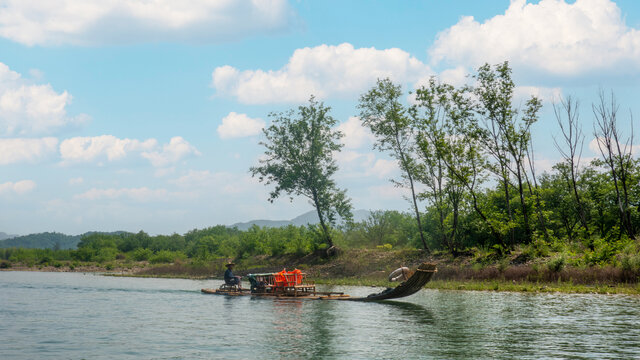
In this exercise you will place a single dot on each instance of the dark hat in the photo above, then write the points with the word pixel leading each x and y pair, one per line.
pixel 229 264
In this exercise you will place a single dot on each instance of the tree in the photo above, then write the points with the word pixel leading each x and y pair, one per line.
pixel 382 112
pixel 455 139
pixel 616 154
pixel 298 161
pixel 573 140
pixel 506 135
pixel 442 105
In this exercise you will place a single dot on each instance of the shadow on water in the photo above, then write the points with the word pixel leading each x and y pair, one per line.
pixel 410 311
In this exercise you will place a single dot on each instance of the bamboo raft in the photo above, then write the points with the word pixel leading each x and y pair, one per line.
pixel 274 286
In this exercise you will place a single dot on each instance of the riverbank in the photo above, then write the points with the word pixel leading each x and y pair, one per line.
pixel 370 267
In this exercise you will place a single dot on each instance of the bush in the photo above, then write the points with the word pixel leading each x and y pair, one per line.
pixel 106 255
pixel 141 254
pixel 166 256
pixel 83 254
pixel 556 264
pixel 5 264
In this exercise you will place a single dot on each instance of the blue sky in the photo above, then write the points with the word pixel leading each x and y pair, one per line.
pixel 146 115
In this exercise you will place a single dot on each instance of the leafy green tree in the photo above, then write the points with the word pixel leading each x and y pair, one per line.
pixel 439 107
pixel 505 134
pixel 383 113
pixel 298 161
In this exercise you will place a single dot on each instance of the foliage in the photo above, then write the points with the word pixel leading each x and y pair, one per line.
pixel 298 161
pixel 382 112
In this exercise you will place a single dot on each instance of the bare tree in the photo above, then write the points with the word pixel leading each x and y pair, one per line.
pixel 568 118
pixel 617 154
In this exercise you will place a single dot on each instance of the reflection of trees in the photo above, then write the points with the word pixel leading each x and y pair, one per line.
pixel 321 333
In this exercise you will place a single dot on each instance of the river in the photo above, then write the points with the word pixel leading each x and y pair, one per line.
pixel 88 316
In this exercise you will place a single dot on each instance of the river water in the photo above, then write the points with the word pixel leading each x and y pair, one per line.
pixel 87 316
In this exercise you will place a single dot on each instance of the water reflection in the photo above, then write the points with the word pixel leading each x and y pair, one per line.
pixel 105 318
pixel 410 312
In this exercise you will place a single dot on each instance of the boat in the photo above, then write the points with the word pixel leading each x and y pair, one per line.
pixel 293 284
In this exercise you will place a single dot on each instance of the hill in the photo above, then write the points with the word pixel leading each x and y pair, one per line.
pixel 4 236
pixel 310 217
pixel 46 240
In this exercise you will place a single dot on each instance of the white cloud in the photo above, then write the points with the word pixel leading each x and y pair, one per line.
pixel 388 191
pixel 322 71
pixel 142 194
pixel 18 187
pixel 177 149
pixel 593 146
pixel 554 36
pixel 222 182
pixel 76 181
pixel 22 150
pixel 90 22
pixel 384 168
pixel 354 164
pixel 355 135
pixel 523 93
pixel 239 125
pixel 87 149
pixel 32 109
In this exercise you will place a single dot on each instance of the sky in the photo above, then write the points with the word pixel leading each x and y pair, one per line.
pixel 147 115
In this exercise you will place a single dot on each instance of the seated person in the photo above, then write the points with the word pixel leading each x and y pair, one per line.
pixel 399 274
pixel 231 279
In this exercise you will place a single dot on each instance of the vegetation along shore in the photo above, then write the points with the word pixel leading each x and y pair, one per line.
pixel 479 207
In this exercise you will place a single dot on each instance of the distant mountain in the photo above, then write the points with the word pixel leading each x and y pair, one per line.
pixel 4 236
pixel 48 240
pixel 45 240
pixel 310 217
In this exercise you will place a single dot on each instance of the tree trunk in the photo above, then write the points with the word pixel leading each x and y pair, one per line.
pixel 327 236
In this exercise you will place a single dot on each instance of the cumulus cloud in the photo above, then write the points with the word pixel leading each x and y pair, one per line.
pixel 27 109
pixel 21 150
pixel 553 36
pixel 18 187
pixel 109 147
pixel 355 164
pixel 91 22
pixel 355 135
pixel 176 150
pixel 322 71
pixel 237 125
pixel 142 194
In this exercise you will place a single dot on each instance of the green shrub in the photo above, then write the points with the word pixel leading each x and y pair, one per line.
pixel 106 255
pixel 166 256
pixel 5 264
pixel 141 254
pixel 556 264
pixel 83 254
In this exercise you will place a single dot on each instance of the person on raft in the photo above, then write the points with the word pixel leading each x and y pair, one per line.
pixel 399 274
pixel 231 279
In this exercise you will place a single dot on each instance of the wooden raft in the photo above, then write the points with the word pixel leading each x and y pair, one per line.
pixel 413 284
